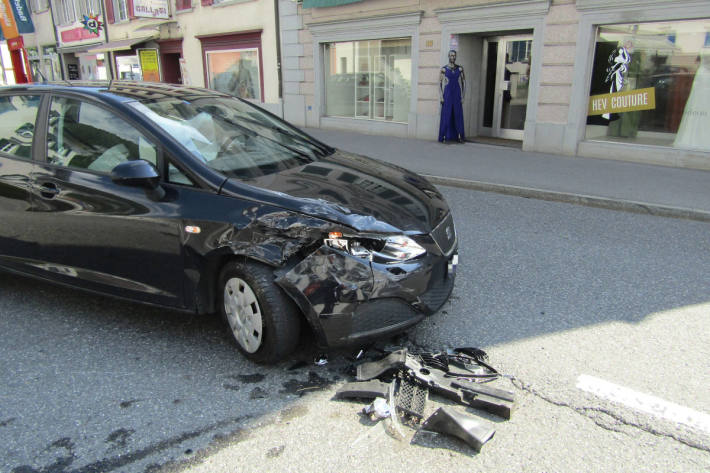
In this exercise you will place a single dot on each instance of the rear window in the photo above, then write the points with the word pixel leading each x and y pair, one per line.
pixel 18 114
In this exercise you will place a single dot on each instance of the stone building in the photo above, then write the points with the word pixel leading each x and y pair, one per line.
pixel 619 79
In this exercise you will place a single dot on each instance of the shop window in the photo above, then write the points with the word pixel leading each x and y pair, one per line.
pixel 183 5
pixel 651 84
pixel 368 79
pixel 233 64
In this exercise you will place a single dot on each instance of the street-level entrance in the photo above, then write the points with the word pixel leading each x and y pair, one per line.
pixel 504 95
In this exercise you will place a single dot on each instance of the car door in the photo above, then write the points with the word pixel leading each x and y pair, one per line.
pixel 95 233
pixel 18 114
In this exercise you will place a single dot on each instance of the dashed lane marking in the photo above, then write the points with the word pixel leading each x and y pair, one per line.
pixel 652 405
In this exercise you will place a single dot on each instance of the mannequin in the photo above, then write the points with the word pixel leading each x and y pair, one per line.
pixel 694 126
pixel 452 88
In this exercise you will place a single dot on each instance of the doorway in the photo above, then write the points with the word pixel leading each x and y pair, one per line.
pixel 506 75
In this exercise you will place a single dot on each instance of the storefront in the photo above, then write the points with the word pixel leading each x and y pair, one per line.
pixel 574 78
pixel 650 85
pixel 233 64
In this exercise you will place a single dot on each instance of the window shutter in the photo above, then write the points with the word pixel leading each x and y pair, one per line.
pixel 110 18
pixel 129 5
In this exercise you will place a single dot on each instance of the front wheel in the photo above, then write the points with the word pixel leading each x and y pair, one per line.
pixel 263 320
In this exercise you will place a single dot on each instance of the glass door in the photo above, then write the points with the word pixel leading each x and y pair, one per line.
pixel 506 62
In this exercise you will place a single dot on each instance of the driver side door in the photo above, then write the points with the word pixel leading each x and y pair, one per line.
pixel 95 233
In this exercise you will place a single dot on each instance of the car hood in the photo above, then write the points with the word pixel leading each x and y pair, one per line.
pixel 353 190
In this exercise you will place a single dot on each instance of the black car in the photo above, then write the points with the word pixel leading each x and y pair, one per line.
pixel 195 200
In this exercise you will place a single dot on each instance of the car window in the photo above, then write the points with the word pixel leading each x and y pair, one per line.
pixel 176 176
pixel 86 136
pixel 220 133
pixel 17 124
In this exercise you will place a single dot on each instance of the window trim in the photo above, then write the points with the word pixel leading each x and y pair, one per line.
pixel 38 132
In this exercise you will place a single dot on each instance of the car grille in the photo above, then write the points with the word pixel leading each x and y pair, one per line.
pixel 445 235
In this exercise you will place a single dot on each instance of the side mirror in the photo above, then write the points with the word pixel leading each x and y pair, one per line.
pixel 139 173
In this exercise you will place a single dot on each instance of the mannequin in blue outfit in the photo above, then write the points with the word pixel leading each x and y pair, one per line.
pixel 452 87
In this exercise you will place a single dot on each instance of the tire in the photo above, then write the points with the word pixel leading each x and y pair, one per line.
pixel 265 323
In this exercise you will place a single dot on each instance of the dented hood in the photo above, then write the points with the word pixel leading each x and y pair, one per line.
pixel 363 193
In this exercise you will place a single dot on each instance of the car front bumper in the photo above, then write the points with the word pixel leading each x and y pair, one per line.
pixel 349 300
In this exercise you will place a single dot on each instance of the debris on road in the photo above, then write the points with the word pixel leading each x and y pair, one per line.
pixel 401 382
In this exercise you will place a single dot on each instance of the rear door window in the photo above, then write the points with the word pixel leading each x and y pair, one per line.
pixel 85 136
pixel 18 114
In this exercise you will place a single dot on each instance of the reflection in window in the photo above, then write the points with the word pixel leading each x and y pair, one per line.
pixel 369 79
pixel 651 84
pixel 82 135
pixel 17 124
pixel 235 72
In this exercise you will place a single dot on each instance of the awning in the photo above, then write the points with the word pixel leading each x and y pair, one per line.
pixel 326 3
pixel 153 26
pixel 120 45
pixel 77 49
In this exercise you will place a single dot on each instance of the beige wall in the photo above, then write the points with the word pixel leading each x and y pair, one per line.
pixel 232 18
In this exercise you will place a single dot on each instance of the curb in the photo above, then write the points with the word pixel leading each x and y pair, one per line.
pixel 577 199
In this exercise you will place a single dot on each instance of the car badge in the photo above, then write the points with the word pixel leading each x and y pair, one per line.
pixel 192 229
pixel 449 233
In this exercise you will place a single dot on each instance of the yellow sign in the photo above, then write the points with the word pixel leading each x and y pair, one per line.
pixel 627 101
pixel 149 64
pixel 7 20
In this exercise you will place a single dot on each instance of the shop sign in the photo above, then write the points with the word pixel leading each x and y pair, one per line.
pixel 619 102
pixel 76 34
pixel 150 68
pixel 7 20
pixel 150 8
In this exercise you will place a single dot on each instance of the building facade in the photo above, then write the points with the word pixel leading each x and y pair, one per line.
pixel 228 45
pixel 620 79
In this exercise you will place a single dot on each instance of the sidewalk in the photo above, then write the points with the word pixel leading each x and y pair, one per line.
pixel 642 188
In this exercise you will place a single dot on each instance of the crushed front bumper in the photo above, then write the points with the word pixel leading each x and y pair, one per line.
pixel 349 300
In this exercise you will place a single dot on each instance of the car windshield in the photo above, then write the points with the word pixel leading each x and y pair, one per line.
pixel 233 137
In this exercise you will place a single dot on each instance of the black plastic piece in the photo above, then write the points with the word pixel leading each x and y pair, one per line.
pixel 363 390
pixel 374 369
pixel 469 429
pixel 411 398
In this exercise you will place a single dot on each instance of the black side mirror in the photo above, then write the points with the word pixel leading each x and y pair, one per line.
pixel 139 173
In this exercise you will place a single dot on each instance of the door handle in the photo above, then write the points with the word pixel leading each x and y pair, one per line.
pixel 49 190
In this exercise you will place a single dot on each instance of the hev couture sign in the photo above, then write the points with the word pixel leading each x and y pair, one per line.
pixel 150 8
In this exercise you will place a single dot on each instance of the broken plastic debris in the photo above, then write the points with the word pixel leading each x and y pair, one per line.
pixel 379 409
pixel 321 360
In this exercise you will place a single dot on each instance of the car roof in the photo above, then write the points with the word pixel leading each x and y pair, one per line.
pixel 121 91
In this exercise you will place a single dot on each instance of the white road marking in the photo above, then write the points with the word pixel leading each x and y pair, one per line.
pixel 644 402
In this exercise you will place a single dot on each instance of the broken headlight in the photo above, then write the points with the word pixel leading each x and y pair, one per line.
pixel 389 249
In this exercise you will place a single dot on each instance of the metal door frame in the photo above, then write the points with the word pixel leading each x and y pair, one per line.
pixel 496 130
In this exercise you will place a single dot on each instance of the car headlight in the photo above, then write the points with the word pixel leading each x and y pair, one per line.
pixel 386 249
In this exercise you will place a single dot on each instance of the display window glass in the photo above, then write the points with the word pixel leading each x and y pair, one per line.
pixel 369 79
pixel 651 84
pixel 235 72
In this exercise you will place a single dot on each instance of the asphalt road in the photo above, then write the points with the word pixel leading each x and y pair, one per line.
pixel 557 294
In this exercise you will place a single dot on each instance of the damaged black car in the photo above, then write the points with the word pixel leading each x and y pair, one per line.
pixel 195 200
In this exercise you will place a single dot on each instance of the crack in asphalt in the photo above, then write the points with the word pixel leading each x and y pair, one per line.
pixel 587 411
